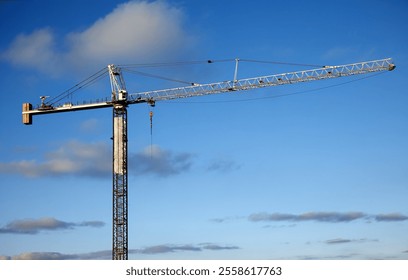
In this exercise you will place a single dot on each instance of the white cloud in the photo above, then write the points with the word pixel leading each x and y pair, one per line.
pixel 35 50
pixel 41 256
pixel 171 248
pixel 72 157
pixel 134 31
pixel 223 165
pixel 329 217
pixel 90 126
pixel 95 160
pixel 344 241
pixel 160 162
pixel 391 217
pixel 34 226
pixel 28 168
pixel 326 217
pixel 107 254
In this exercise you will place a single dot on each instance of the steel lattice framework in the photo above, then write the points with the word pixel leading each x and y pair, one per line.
pixel 120 166
pixel 120 184
pixel 326 72
pixel 120 99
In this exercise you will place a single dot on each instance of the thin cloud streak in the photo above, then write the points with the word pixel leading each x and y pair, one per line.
pixel 351 256
pixel 392 217
pixel 337 241
pixel 215 247
pixel 328 217
pixel 223 165
pixel 322 217
pixel 35 226
pixel 107 254
pixel 226 219
pixel 160 249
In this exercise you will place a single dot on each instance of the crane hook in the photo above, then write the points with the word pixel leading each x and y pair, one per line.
pixel 151 134
pixel 151 121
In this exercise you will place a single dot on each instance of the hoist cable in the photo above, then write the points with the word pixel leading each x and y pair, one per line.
pixel 151 133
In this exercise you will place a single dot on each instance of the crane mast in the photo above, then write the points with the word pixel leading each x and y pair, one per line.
pixel 120 99
pixel 120 165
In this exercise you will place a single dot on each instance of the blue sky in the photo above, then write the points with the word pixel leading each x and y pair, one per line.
pixel 321 173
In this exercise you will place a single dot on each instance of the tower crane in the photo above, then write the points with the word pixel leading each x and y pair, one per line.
pixel 121 99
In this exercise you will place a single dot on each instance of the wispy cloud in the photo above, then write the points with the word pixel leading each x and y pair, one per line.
pixel 329 217
pixel 99 255
pixel 160 249
pixel 215 247
pixel 72 157
pixel 133 31
pixel 107 254
pixel 344 241
pixel 174 248
pixel 353 256
pixel 34 50
pixel 95 160
pixel 223 165
pixel 35 226
pixel 171 248
pixel 392 217
pixel 157 161
pixel 338 241
pixel 37 256
pixel 227 219
pixel 91 224
pixel 90 126
pixel 322 217
pixel 333 257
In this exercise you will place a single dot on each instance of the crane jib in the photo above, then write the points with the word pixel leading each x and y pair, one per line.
pixel 326 72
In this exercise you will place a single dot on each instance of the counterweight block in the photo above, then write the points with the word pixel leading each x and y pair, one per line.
pixel 27 117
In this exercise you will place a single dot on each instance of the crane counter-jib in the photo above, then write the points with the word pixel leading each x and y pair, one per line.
pixel 28 110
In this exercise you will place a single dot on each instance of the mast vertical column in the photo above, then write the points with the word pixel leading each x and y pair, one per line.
pixel 120 165
pixel 120 183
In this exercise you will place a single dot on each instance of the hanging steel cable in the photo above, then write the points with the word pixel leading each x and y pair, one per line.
pixel 280 62
pixel 156 76
pixel 85 83
pixel 130 69
pixel 171 64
